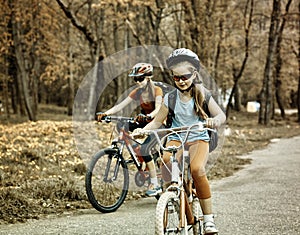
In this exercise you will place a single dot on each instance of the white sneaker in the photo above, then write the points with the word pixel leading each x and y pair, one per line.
pixel 210 228
pixel 153 191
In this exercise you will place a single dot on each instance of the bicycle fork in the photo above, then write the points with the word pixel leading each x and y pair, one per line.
pixel 119 159
pixel 108 167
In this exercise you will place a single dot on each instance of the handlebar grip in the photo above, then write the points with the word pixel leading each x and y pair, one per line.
pixel 100 116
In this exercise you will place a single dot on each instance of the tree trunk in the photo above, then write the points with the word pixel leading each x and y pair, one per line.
pixel 237 99
pixel 298 56
pixel 71 76
pixel 23 74
pixel 298 96
pixel 278 94
pixel 237 74
pixel 71 88
pixel 278 83
pixel 5 93
pixel 12 73
pixel 92 98
pixel 266 95
pixel 298 99
pixel 192 11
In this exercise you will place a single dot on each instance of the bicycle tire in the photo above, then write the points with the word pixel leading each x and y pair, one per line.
pixel 106 194
pixel 167 214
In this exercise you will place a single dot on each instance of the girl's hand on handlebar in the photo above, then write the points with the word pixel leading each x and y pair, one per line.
pixel 141 118
pixel 138 133
pixel 212 123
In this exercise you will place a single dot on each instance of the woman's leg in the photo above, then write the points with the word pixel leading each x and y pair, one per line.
pixel 154 188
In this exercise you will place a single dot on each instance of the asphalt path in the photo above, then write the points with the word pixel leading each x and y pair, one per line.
pixel 263 198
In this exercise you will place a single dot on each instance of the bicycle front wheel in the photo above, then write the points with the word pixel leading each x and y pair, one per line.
pixel 167 214
pixel 107 181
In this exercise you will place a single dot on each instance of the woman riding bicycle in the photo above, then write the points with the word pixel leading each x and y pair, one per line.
pixel 190 96
pixel 150 99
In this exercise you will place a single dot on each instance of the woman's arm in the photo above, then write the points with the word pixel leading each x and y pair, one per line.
pixel 119 107
pixel 158 119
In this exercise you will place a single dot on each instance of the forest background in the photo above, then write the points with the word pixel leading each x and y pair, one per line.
pixel 250 48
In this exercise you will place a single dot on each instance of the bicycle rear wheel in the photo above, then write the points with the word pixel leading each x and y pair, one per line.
pixel 107 181
pixel 167 214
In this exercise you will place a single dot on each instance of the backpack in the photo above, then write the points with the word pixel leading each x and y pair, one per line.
pixel 171 103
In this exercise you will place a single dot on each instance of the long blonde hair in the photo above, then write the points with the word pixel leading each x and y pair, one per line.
pixel 199 101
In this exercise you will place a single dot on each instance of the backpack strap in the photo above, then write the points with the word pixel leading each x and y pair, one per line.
pixel 171 106
pixel 205 103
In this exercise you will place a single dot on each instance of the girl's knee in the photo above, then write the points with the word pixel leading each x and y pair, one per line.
pixel 198 172
pixel 202 187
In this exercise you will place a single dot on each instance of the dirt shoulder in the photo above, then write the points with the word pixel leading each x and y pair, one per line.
pixel 42 174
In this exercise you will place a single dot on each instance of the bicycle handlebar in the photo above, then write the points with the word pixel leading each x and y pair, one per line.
pixel 175 130
pixel 169 131
pixel 108 119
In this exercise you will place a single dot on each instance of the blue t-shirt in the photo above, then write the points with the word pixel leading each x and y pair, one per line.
pixel 185 115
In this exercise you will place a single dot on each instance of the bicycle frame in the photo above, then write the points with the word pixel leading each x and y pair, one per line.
pixel 181 182
pixel 185 191
pixel 125 139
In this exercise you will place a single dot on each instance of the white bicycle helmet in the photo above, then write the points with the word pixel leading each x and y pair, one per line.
pixel 141 69
pixel 183 54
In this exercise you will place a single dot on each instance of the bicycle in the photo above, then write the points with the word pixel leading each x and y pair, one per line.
pixel 107 176
pixel 178 209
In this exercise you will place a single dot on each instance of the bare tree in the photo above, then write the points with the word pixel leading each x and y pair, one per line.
pixel 94 46
pixel 278 82
pixel 24 51
pixel 71 76
pixel 266 94
pixel 237 73
pixel 298 57
pixel 273 65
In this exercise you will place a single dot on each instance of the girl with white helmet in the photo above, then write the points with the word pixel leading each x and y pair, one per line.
pixel 189 109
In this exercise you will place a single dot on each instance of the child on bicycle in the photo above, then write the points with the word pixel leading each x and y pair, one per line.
pixel 185 67
pixel 150 98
